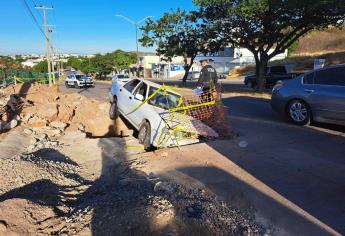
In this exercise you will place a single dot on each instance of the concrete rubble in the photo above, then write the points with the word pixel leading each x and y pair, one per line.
pixel 37 106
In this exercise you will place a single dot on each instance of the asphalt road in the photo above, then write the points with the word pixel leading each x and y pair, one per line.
pixel 99 92
pixel 304 164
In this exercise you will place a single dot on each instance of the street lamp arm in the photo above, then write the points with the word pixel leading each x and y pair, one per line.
pixel 126 18
pixel 144 19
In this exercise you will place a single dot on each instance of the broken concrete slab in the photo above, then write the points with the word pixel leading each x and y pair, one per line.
pixel 58 125
pixel 48 111
pixel 13 144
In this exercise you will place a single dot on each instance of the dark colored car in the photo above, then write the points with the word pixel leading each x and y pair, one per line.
pixel 318 95
pixel 273 75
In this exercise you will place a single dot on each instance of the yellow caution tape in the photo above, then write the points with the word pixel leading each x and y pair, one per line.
pixel 169 132
pixel 136 147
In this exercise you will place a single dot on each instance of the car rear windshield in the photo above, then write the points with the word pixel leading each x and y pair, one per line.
pixel 164 100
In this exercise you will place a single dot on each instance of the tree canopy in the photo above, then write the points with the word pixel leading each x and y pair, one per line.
pixel 177 33
pixel 103 64
pixel 267 27
pixel 41 67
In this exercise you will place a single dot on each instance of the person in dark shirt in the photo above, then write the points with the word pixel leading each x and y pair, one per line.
pixel 208 76
pixel 207 81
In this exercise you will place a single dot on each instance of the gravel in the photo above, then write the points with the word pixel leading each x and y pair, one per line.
pixel 125 201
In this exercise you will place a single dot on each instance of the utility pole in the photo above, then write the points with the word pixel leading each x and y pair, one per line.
pixel 48 46
pixel 136 24
pixel 52 54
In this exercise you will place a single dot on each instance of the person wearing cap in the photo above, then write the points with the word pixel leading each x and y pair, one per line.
pixel 208 77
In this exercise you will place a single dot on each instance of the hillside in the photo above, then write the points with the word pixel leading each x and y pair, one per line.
pixel 317 42
pixel 328 44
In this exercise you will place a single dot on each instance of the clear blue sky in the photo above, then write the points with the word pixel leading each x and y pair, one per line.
pixel 82 26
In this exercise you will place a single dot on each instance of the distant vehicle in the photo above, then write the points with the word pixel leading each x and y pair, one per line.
pixel 315 96
pixel 273 75
pixel 78 81
pixel 193 75
pixel 121 78
pixel 150 118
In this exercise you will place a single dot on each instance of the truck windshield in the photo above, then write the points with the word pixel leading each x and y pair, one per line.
pixel 163 100
pixel 80 76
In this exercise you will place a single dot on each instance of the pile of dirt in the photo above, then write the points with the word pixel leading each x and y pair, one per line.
pixel 45 193
pixel 41 105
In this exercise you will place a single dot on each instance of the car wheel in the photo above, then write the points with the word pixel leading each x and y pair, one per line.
pixel 113 110
pixel 299 112
pixel 66 84
pixel 144 135
pixel 250 84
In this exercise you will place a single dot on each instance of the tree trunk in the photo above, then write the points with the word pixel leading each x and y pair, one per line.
pixel 186 70
pixel 260 69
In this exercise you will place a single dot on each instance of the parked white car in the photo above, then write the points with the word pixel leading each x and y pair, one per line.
pixel 193 75
pixel 151 118
pixel 78 81
pixel 121 78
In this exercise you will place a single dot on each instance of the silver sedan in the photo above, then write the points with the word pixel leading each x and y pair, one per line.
pixel 316 96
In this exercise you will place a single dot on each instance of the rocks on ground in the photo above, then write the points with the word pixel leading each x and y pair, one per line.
pixel 38 106
pixel 45 193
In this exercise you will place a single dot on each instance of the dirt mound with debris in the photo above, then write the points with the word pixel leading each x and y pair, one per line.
pixel 45 193
pixel 39 105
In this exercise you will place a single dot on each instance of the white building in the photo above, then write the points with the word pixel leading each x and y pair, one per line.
pixel 229 58
pixel 156 66
pixel 32 62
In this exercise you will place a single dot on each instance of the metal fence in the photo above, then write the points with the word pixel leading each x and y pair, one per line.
pixel 13 76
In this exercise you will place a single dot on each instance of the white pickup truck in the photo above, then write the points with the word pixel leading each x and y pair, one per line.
pixel 78 81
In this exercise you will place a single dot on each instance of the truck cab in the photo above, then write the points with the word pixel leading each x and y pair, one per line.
pixel 78 81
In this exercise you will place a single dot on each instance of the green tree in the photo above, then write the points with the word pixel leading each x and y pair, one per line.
pixel 267 27
pixel 74 62
pixel 41 67
pixel 178 33
pixel 123 60
pixel 102 64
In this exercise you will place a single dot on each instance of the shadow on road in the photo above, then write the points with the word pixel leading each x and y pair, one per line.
pixel 303 164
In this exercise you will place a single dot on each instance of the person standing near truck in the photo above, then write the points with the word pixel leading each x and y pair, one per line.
pixel 208 78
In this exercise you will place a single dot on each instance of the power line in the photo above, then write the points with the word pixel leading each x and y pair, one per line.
pixel 36 21
pixel 33 16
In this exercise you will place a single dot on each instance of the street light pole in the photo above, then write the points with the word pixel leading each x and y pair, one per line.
pixel 48 44
pixel 136 40
pixel 136 24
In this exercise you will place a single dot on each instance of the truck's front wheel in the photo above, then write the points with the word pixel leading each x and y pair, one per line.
pixel 113 110
pixel 144 135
